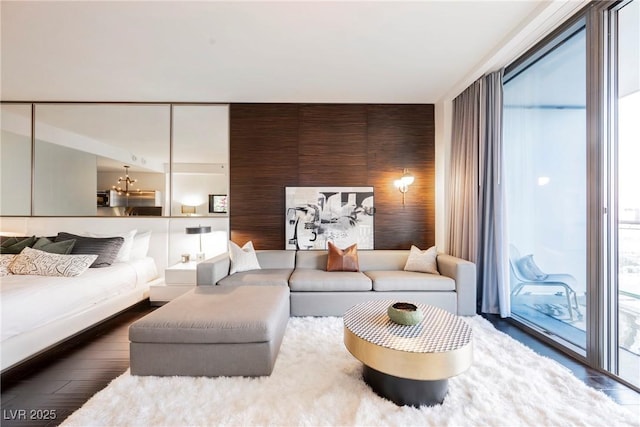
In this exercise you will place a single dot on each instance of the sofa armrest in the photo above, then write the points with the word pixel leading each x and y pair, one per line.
pixel 464 274
pixel 210 271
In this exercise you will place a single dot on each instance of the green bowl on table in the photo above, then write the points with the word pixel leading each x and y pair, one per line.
pixel 405 313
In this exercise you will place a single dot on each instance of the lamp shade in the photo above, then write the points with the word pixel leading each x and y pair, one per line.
pixel 407 178
pixel 198 230
pixel 187 209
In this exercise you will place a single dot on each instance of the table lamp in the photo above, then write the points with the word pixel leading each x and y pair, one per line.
pixel 200 230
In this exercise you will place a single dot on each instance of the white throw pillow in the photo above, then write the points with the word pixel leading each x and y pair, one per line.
pixel 124 254
pixel 243 258
pixel 5 261
pixel 40 263
pixel 422 261
pixel 140 247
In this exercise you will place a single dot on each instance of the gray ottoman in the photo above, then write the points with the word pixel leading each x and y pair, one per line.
pixel 212 331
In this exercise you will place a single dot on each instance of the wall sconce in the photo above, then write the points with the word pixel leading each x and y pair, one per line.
pixel 404 182
pixel 188 210
pixel 199 230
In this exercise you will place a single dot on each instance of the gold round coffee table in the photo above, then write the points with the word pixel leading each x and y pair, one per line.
pixel 409 365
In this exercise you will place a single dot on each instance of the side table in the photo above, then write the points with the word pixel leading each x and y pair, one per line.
pixel 178 279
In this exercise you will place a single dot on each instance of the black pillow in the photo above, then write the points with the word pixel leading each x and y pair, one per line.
pixel 47 245
pixel 106 248
pixel 15 245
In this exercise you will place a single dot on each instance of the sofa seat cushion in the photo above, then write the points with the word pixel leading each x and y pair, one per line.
pixel 313 280
pixel 266 276
pixel 409 281
pixel 215 315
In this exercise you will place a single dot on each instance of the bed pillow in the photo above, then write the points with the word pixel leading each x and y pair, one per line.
pixel 63 248
pixel 140 246
pixel 124 254
pixel 15 245
pixel 5 261
pixel 342 259
pixel 422 261
pixel 106 248
pixel 40 263
pixel 242 258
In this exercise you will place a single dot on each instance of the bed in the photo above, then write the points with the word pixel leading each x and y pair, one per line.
pixel 40 311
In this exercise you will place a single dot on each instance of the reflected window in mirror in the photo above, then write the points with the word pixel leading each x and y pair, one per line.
pixel 200 157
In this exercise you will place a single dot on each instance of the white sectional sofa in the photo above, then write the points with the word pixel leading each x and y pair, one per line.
pixel 317 292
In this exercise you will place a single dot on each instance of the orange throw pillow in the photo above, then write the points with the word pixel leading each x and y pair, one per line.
pixel 342 259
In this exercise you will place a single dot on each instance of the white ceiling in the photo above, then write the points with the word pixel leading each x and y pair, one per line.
pixel 211 51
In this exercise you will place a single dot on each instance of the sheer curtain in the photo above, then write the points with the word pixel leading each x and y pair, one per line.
pixel 476 216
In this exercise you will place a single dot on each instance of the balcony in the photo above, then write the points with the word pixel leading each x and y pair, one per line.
pixel 547 308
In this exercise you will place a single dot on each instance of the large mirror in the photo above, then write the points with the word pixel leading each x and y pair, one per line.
pixel 114 159
pixel 15 159
pixel 200 158
pixel 101 159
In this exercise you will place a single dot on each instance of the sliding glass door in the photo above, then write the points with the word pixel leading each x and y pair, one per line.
pixel 571 149
pixel 626 177
pixel 545 154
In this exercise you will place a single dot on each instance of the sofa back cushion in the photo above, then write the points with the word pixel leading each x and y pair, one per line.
pixel 312 259
pixel 276 259
pixel 382 259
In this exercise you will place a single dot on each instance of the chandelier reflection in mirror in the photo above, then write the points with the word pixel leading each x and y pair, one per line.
pixel 127 182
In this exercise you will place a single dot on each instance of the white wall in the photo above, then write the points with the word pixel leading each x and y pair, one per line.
pixel 443 149
pixel 64 181
pixel 15 174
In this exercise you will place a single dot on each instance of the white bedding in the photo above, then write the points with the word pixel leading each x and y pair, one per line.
pixel 29 302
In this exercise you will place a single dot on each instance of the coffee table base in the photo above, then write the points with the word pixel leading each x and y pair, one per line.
pixel 404 391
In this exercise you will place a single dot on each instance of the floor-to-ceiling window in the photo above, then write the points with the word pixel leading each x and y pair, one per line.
pixel 571 152
pixel 625 66
pixel 545 152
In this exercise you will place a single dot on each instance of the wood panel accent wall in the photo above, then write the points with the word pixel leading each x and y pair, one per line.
pixel 273 146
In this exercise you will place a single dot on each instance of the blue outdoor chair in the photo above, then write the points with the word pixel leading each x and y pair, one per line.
pixel 527 273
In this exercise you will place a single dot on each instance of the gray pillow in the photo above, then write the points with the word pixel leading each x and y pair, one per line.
pixel 46 245
pixel 15 245
pixel 106 248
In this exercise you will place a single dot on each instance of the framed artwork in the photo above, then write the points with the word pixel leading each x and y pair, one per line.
pixel 217 203
pixel 317 215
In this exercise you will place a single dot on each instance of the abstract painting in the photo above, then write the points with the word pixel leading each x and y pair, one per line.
pixel 317 215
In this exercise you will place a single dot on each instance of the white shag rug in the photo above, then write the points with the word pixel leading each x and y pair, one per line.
pixel 317 382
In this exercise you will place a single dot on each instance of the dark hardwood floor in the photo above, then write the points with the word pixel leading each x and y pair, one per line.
pixel 46 391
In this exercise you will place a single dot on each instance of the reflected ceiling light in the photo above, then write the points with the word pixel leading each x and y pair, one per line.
pixel 543 180
pixel 127 181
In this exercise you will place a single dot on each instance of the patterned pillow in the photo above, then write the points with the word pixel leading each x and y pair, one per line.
pixel 5 260
pixel 40 263
pixel 422 261
pixel 342 259
pixel 243 258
